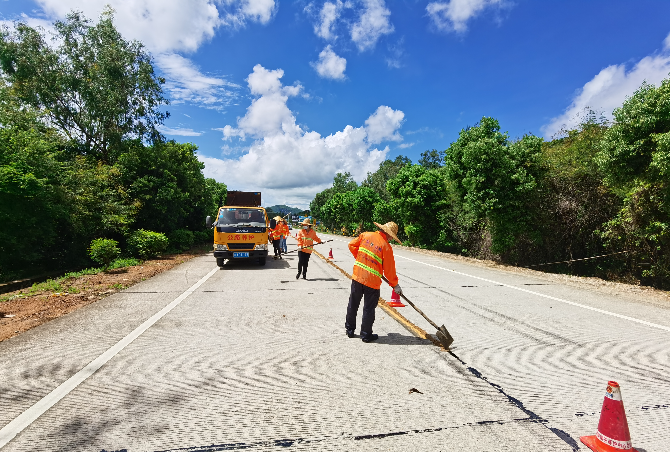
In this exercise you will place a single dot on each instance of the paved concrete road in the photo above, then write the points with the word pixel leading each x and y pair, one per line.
pixel 550 346
pixel 249 358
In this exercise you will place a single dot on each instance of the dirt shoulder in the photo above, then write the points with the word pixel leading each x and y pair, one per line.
pixel 630 291
pixel 24 311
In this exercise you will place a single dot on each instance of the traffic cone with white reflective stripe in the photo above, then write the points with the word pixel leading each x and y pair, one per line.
pixel 395 300
pixel 613 434
pixel 330 254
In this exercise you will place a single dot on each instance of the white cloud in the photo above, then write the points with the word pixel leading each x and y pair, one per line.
pixel 167 27
pixel 329 13
pixel 609 88
pixel 330 65
pixel 666 42
pixel 258 10
pixel 186 83
pixel 178 131
pixel 453 15
pixel 383 125
pixel 406 145
pixel 162 25
pixel 372 24
pixel 288 164
pixel 268 114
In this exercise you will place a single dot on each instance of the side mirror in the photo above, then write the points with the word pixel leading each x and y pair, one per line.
pixel 208 222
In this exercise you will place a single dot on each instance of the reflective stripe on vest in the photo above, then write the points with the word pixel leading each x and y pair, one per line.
pixel 307 247
pixel 371 254
pixel 371 270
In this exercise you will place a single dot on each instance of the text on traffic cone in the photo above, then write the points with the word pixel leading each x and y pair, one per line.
pixel 613 434
pixel 395 300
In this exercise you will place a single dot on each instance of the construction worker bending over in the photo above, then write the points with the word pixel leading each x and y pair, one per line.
pixel 306 238
pixel 374 258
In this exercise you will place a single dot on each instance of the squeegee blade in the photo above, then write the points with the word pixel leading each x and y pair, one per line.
pixel 445 338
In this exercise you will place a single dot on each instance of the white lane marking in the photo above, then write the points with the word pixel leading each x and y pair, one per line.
pixel 590 308
pixel 9 431
pixel 602 311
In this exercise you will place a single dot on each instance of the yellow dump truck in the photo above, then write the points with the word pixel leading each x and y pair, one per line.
pixel 240 229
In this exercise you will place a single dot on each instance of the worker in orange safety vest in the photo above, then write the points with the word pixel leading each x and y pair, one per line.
pixel 275 235
pixel 284 235
pixel 374 258
pixel 306 238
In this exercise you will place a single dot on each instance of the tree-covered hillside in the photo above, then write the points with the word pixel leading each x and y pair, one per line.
pixel 600 189
pixel 80 154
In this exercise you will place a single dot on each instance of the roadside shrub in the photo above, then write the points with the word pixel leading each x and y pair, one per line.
pixel 145 244
pixel 181 239
pixel 200 237
pixel 104 251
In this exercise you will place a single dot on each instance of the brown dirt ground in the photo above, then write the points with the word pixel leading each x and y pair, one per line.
pixel 21 314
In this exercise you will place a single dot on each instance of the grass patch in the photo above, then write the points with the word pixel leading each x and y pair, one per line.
pixel 56 284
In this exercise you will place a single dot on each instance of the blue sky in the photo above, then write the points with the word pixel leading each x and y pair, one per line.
pixel 279 96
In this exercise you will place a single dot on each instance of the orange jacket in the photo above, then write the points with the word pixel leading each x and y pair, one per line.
pixel 283 230
pixel 306 239
pixel 374 257
pixel 275 233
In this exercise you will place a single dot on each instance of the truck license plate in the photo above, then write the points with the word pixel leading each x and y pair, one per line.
pixel 240 254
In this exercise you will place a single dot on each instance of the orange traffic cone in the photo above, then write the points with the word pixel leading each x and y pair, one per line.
pixel 613 434
pixel 330 254
pixel 395 300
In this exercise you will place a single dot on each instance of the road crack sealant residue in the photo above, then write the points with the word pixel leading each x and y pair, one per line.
pixel 290 442
pixel 565 436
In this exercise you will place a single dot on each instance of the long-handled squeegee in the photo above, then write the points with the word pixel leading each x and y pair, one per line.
pixel 442 334
pixel 298 249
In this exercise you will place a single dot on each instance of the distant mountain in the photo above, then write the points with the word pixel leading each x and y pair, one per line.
pixel 285 209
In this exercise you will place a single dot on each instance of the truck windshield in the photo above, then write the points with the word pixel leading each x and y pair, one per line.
pixel 241 217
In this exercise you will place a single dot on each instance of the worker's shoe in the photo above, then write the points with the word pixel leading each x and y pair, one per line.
pixel 350 333
pixel 369 337
pixel 297 276
pixel 304 276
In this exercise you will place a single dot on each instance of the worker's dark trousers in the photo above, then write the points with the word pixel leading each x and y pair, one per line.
pixel 275 244
pixel 303 262
pixel 371 295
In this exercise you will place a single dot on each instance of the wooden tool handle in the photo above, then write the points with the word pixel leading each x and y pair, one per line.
pixel 413 305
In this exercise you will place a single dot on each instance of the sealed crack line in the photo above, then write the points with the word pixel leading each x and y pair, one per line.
pixel 563 435
pixel 569 440
pixel 289 442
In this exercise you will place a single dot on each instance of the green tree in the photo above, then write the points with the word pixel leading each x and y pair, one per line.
pixel 495 181
pixel 432 159
pixel 574 202
pixel 94 87
pixel 342 183
pixel 635 160
pixel 387 170
pixel 166 183
pixel 420 196
pixel 215 196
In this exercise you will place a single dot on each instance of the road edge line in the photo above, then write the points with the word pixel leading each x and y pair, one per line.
pixel 22 421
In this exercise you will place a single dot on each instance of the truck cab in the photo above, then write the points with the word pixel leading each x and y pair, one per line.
pixel 240 232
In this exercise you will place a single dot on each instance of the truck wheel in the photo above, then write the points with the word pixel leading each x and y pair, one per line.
pixel 220 261
pixel 262 260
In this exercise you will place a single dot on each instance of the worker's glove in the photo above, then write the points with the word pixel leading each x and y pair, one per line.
pixel 397 289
